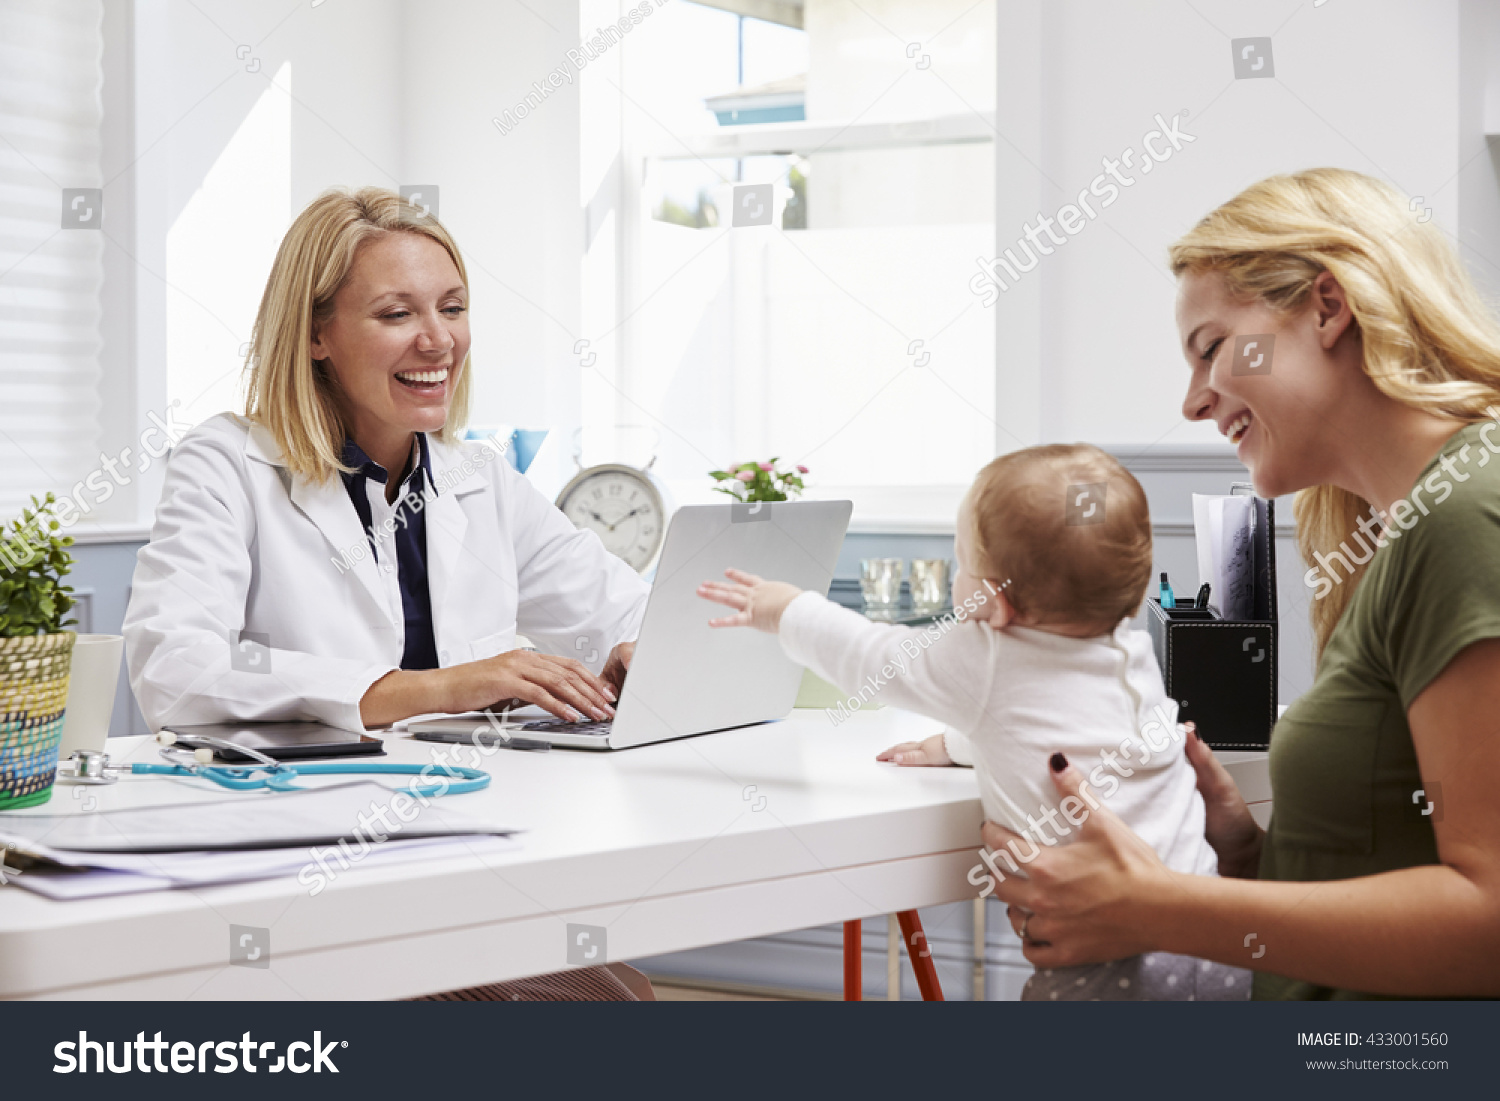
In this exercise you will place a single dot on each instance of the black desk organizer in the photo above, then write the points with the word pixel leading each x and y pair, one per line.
pixel 1222 673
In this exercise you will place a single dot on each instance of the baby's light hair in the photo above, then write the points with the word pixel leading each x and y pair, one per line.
pixel 1029 526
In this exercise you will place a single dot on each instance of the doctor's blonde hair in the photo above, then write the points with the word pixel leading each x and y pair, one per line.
pixel 290 394
pixel 1429 340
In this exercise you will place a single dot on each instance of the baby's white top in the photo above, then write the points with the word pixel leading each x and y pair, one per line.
pixel 1014 697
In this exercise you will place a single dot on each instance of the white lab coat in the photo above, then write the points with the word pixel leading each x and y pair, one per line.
pixel 240 545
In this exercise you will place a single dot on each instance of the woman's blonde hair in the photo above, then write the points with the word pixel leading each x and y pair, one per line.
pixel 293 396
pixel 1429 340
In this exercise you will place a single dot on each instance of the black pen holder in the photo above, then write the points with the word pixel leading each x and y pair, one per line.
pixel 1222 672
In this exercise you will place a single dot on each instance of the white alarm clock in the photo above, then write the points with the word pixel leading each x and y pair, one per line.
pixel 625 506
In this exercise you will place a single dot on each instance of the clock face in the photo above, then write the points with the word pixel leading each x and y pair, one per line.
pixel 622 507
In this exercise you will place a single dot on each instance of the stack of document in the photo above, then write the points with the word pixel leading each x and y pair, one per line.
pixel 234 840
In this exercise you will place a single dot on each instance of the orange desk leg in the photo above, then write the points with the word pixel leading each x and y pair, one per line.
pixel 853 957
pixel 920 954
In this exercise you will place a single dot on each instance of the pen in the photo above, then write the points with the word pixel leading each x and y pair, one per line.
pixel 1202 601
pixel 522 743
pixel 1167 600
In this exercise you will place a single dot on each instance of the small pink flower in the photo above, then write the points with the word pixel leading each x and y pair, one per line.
pixel 801 469
pixel 767 467
pixel 745 476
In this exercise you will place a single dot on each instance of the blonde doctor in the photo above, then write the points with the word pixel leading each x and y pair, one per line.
pixel 339 553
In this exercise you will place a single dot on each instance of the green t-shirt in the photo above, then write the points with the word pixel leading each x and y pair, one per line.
pixel 1349 798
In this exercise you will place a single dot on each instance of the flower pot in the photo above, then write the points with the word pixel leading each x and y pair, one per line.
pixel 33 694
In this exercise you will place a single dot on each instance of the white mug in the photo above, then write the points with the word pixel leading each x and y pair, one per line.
pixel 92 678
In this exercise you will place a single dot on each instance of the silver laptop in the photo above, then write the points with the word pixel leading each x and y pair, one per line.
pixel 686 677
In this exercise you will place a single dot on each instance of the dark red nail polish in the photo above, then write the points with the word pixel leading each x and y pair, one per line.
pixel 1058 762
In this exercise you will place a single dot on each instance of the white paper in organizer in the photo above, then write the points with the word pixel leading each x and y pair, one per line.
pixel 1224 528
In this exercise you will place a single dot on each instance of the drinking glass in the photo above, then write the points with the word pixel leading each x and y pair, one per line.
pixel 880 581
pixel 929 584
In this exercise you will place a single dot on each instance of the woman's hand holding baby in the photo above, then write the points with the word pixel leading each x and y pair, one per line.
pixel 1091 900
pixel 757 602
pixel 1229 827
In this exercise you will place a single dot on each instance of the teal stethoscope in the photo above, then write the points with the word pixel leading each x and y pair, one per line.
pixel 93 767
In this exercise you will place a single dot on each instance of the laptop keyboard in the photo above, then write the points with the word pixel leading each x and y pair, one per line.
pixel 598 729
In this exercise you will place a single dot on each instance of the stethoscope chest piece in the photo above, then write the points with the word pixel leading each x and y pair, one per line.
pixel 90 766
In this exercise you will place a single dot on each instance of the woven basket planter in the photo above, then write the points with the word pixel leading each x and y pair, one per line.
pixel 33 692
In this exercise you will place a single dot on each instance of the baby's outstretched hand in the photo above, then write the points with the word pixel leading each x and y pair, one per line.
pixel 757 602
pixel 930 752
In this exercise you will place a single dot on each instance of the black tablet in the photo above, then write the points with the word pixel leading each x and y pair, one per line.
pixel 293 741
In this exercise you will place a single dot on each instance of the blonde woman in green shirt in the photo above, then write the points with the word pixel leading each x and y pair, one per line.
pixel 1380 872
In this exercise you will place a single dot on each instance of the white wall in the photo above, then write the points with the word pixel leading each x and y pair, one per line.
pixel 203 240
pixel 1388 87
pixel 512 200
pixel 1478 180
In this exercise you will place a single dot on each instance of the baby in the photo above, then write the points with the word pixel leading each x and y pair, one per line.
pixel 1053 556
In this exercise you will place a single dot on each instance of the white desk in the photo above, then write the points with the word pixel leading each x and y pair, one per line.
pixel 663 845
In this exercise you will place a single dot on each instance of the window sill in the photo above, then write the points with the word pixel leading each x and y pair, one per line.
pixel 900 525
pixel 88 535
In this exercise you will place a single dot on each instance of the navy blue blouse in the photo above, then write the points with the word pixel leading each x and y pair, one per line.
pixel 410 540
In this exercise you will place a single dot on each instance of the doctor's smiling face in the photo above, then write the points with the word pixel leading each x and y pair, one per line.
pixel 395 342
pixel 1284 413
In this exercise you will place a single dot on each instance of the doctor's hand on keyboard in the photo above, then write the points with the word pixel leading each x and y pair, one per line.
pixel 560 685
pixel 563 686
pixel 617 665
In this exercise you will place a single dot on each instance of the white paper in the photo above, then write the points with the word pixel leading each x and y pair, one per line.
pixel 263 820
pixel 132 873
pixel 1224 528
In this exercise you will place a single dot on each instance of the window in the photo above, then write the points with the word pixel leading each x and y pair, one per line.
pixel 841 335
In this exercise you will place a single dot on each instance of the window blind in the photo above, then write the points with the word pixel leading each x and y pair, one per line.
pixel 50 276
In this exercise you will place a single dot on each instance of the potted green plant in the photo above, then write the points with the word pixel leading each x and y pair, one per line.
pixel 748 482
pixel 35 652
